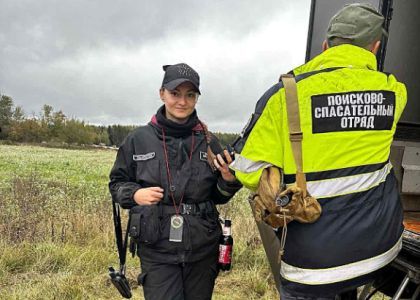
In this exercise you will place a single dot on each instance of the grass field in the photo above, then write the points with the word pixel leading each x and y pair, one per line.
pixel 57 235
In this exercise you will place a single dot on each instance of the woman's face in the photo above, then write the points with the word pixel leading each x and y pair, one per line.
pixel 180 102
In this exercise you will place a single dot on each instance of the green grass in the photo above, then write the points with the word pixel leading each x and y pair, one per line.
pixel 57 235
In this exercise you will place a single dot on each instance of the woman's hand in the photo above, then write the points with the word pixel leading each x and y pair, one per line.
pixel 223 166
pixel 148 196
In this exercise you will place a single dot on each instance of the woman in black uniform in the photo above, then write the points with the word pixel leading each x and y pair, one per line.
pixel 167 174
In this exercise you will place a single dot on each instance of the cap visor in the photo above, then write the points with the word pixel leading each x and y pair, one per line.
pixel 171 85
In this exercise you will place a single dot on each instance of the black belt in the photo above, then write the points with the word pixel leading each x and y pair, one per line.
pixel 206 207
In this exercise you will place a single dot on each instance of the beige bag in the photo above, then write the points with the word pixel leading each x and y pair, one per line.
pixel 273 202
pixel 277 206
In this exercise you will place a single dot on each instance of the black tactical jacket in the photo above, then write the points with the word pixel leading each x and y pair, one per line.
pixel 141 163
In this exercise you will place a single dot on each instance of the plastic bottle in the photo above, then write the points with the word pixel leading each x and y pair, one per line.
pixel 226 247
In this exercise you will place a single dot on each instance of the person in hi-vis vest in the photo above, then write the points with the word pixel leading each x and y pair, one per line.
pixel 348 115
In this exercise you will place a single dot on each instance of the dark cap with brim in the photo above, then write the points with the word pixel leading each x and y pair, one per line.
pixel 178 74
pixel 359 22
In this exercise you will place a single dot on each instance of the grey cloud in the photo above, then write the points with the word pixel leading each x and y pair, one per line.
pixel 58 27
pixel 100 60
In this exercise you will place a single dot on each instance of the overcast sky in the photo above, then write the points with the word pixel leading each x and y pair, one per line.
pixel 100 61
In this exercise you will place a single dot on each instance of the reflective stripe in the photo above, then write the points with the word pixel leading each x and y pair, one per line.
pixel 327 187
pixel 245 165
pixel 224 193
pixel 340 273
pixel 348 184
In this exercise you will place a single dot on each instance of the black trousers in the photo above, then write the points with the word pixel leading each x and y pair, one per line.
pixel 349 295
pixel 187 281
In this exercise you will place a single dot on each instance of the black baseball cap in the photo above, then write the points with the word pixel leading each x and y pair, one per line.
pixel 178 74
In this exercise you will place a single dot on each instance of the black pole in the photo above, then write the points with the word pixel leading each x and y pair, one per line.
pixel 386 8
pixel 310 31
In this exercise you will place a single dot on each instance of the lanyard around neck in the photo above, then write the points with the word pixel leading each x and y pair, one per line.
pixel 168 170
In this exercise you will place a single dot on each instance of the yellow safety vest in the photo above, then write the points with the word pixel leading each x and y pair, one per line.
pixel 348 112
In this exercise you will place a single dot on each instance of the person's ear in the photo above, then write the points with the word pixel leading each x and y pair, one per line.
pixel 375 47
pixel 161 92
pixel 324 45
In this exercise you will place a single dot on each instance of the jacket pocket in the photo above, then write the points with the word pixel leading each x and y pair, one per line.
pixel 204 232
pixel 144 224
pixel 202 181
pixel 148 172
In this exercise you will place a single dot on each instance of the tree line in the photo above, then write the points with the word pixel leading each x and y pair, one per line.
pixel 52 126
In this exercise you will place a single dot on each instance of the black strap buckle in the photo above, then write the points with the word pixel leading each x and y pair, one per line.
pixel 187 209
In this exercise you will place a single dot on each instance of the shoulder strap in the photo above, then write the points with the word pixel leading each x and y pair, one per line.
pixel 211 145
pixel 295 132
pixel 240 141
pixel 121 244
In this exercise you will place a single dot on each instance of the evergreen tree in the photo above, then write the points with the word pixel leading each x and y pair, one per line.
pixel 117 133
pixel 18 114
pixel 6 114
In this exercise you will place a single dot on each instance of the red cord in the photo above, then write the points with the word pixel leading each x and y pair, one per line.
pixel 168 171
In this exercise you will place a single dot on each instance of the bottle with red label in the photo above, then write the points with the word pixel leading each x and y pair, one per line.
pixel 226 247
